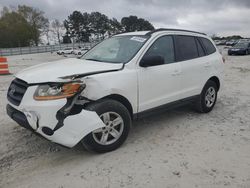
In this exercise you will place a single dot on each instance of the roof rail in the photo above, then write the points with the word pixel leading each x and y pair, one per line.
pixel 166 29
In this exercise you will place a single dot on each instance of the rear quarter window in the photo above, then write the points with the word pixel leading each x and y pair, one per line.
pixel 207 44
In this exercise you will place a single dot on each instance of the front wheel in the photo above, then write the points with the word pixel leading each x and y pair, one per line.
pixel 117 122
pixel 208 97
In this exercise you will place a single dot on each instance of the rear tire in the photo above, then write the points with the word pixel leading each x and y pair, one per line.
pixel 118 123
pixel 208 97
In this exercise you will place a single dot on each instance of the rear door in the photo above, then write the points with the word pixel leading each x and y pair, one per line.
pixel 190 55
pixel 159 84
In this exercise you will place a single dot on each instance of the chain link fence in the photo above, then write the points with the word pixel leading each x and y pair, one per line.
pixel 41 49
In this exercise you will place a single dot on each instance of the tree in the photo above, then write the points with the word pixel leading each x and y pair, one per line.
pixel 35 17
pixel 99 24
pixel 132 23
pixel 14 30
pixel 77 25
pixel 82 26
pixel 115 27
pixel 57 29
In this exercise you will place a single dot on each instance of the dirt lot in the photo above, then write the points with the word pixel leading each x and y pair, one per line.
pixel 179 148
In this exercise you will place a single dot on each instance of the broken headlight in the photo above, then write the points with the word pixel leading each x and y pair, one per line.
pixel 57 91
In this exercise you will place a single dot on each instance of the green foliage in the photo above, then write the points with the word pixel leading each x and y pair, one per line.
pixel 21 27
pixel 132 23
pixel 14 30
pixel 82 26
pixel 24 25
pixel 38 23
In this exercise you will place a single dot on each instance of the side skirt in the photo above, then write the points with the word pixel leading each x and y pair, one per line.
pixel 165 107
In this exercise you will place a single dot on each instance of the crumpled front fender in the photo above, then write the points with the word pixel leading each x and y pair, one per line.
pixel 75 128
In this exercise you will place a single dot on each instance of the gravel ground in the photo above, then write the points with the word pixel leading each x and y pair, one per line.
pixel 178 148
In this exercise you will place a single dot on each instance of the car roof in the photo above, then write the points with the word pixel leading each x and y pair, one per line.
pixel 164 30
pixel 133 33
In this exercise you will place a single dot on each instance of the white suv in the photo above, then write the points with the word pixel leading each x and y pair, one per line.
pixel 93 100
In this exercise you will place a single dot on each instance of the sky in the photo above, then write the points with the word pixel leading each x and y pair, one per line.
pixel 220 17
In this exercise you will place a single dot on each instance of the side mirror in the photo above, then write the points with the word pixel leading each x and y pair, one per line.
pixel 148 61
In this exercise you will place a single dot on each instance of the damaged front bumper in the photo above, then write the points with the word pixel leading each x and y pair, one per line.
pixel 46 118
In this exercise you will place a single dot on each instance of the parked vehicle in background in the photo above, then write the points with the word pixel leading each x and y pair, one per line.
pixel 220 42
pixel 217 42
pixel 93 100
pixel 231 42
pixel 65 51
pixel 81 51
pixel 241 48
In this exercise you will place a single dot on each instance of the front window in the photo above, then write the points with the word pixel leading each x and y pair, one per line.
pixel 120 49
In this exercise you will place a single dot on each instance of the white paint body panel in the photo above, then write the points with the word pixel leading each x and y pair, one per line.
pixel 51 72
pixel 144 88
pixel 75 127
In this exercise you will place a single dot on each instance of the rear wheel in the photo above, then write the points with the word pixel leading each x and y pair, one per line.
pixel 117 122
pixel 207 98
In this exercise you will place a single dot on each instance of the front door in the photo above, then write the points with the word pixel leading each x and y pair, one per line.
pixel 159 85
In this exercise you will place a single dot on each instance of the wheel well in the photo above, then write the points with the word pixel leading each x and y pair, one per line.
pixel 216 80
pixel 122 100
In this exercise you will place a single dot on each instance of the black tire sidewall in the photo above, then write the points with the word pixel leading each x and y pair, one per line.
pixel 101 107
pixel 204 107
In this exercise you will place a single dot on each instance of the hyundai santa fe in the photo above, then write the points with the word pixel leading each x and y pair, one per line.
pixel 93 100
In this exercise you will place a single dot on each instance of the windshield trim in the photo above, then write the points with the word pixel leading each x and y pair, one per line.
pixel 146 37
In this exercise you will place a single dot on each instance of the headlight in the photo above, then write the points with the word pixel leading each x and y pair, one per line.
pixel 57 91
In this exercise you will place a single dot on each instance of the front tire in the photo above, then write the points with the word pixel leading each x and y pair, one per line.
pixel 207 98
pixel 118 122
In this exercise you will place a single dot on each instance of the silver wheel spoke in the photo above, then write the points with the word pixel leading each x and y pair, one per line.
pixel 114 133
pixel 210 97
pixel 117 121
pixel 104 138
pixel 110 133
pixel 98 131
pixel 106 117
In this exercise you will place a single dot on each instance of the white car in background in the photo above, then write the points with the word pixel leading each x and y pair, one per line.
pixel 93 100
pixel 65 51
pixel 81 51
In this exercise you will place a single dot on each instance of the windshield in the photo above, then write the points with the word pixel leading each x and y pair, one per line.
pixel 241 45
pixel 120 49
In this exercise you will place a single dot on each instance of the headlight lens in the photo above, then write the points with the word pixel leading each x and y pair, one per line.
pixel 58 91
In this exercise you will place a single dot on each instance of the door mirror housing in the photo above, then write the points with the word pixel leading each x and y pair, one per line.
pixel 148 61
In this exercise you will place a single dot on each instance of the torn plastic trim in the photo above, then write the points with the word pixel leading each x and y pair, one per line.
pixel 63 113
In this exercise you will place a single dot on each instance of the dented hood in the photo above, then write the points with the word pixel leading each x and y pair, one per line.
pixel 53 71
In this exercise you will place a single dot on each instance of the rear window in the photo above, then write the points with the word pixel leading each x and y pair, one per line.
pixel 185 48
pixel 209 47
pixel 200 48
